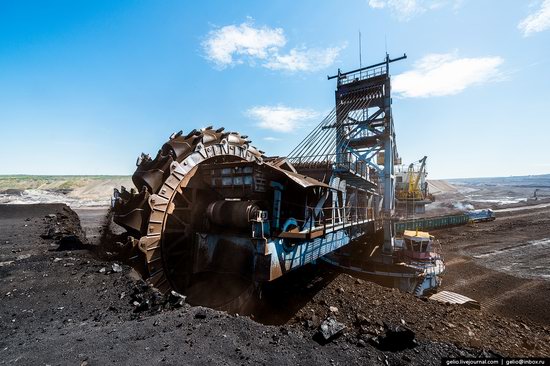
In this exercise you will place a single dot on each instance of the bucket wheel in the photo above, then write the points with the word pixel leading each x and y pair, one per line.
pixel 164 211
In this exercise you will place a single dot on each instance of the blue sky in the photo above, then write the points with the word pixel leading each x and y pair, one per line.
pixel 85 86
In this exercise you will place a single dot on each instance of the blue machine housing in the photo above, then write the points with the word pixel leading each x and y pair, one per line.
pixel 481 215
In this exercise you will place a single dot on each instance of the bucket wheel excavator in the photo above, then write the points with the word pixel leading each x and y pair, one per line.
pixel 213 218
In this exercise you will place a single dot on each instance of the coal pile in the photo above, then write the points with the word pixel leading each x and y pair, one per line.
pixel 394 321
pixel 55 300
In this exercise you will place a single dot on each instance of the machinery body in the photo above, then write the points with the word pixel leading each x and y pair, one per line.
pixel 224 208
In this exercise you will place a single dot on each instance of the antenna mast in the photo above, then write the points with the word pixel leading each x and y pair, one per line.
pixel 360 63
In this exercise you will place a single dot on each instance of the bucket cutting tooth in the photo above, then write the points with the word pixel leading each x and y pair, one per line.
pixel 131 211
pixel 151 174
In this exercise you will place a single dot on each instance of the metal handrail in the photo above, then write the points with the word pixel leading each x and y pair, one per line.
pixel 385 63
pixel 354 165
pixel 368 215
pixel 361 75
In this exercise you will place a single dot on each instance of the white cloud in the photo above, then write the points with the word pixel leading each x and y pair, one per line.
pixel 446 74
pixel 271 138
pixel 377 4
pixel 538 21
pixel 407 9
pixel 242 41
pixel 281 118
pixel 402 9
pixel 237 44
pixel 312 59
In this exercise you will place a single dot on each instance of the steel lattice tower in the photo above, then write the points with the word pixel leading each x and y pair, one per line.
pixel 358 140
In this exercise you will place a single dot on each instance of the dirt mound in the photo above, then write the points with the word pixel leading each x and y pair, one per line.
pixel 64 227
pixel 438 186
pixel 369 311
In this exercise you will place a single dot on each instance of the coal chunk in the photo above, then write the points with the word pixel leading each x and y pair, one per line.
pixel 329 330
pixel 395 338
pixel 142 306
pixel 176 300
pixel 201 314
pixel 116 268
pixel 70 242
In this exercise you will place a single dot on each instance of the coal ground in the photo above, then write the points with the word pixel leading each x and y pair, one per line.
pixel 504 264
pixel 62 303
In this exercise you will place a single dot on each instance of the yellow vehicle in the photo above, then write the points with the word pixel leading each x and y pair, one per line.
pixel 411 189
